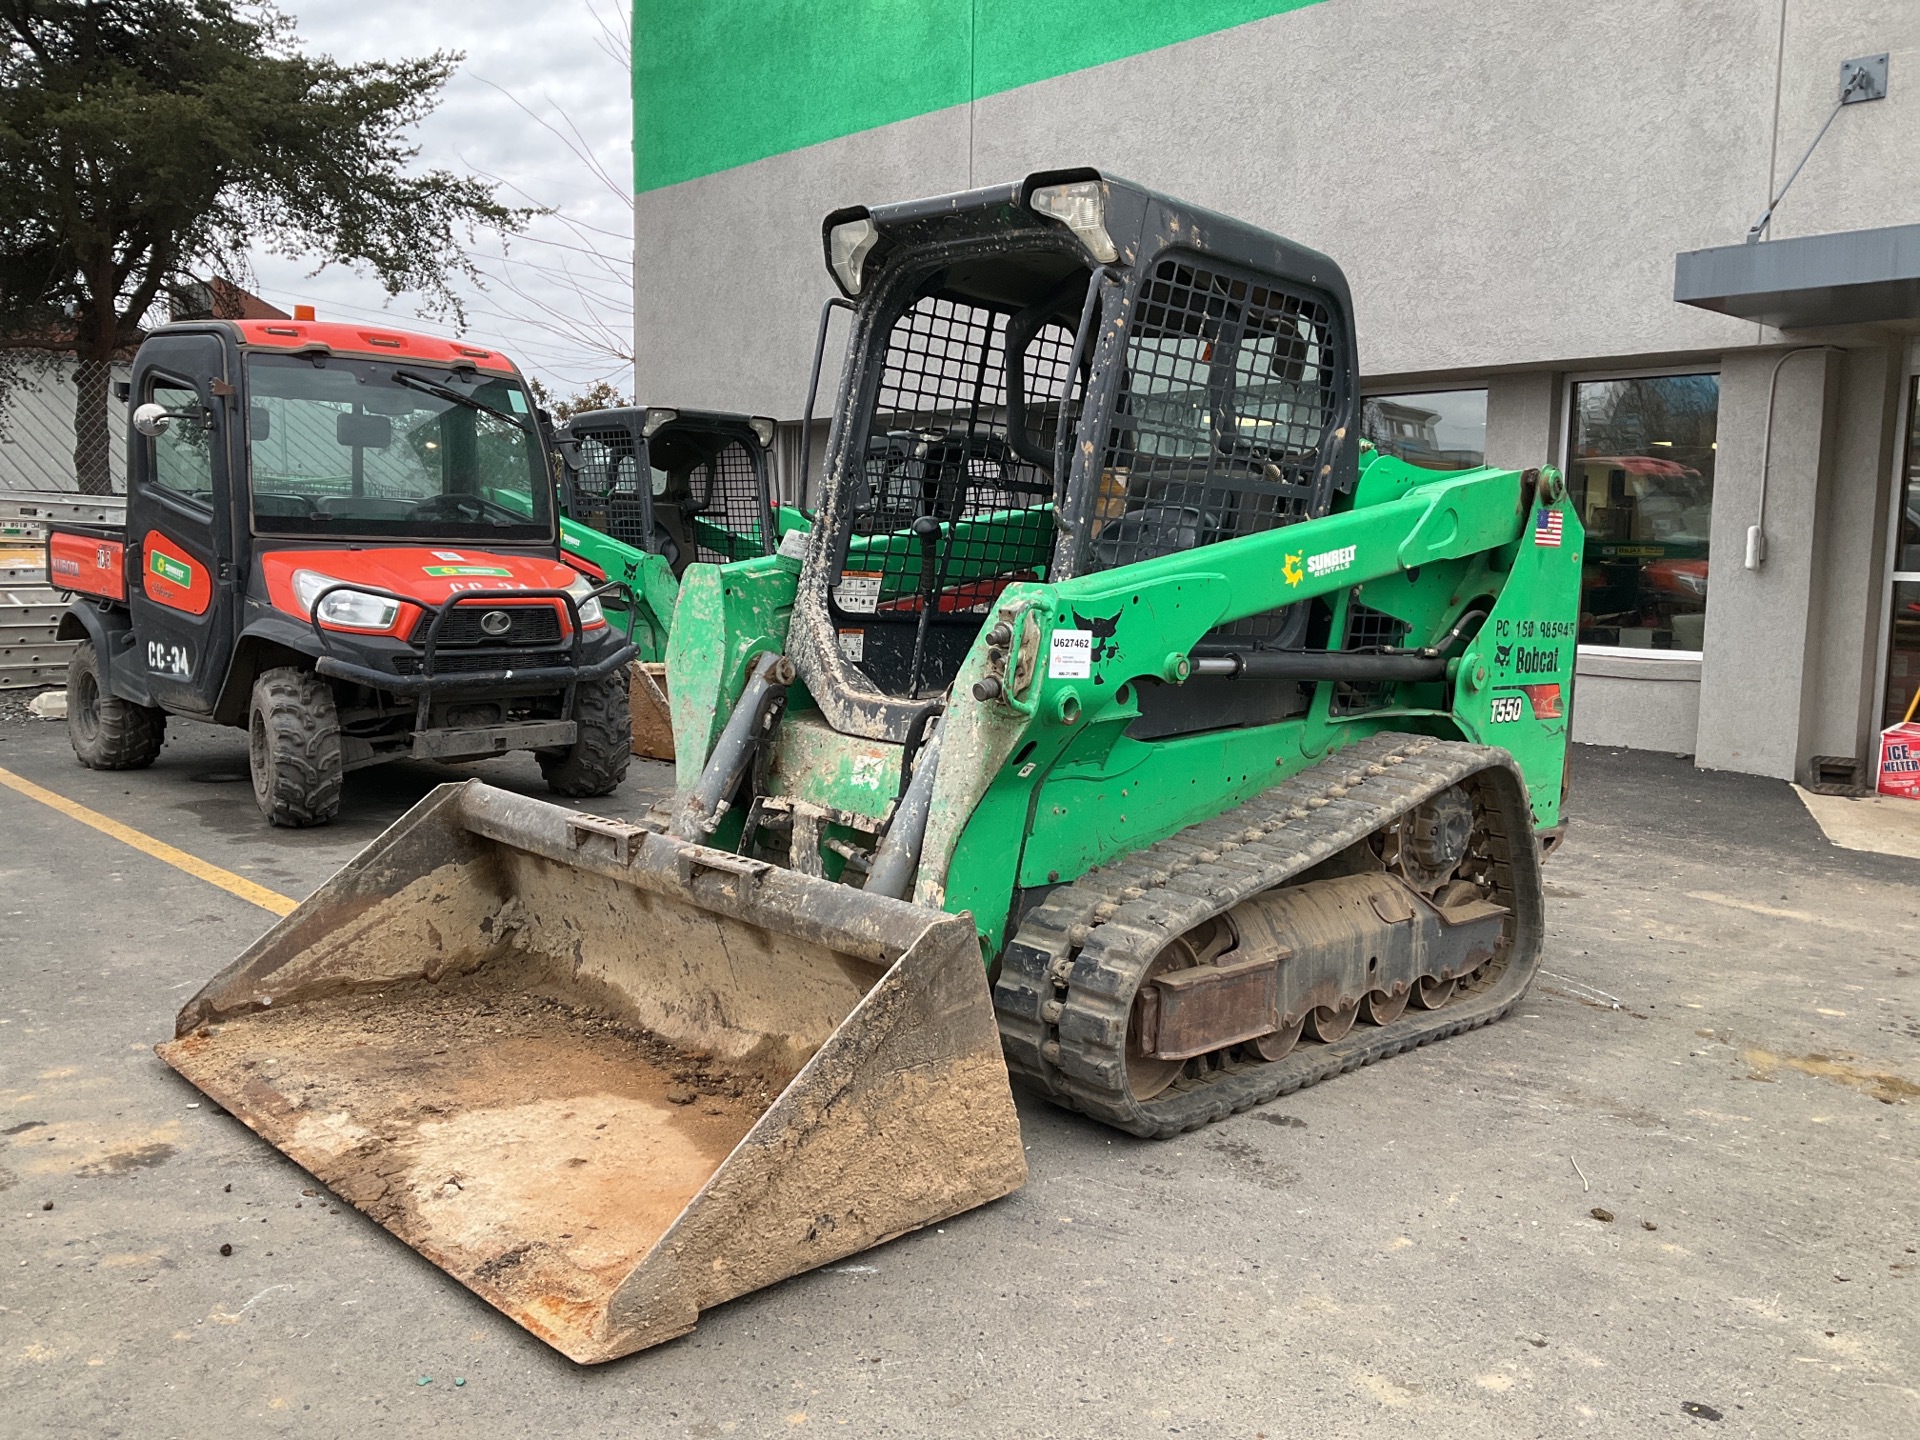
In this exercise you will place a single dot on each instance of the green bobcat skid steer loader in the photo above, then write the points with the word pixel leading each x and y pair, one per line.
pixel 1124 722
pixel 678 486
pixel 690 485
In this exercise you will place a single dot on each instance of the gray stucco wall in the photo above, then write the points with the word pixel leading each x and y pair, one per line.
pixel 1759 622
pixel 1850 570
pixel 1524 418
pixel 728 272
pixel 1637 703
pixel 1506 186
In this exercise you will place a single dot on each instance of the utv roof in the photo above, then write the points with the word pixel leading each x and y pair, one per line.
pixel 340 338
pixel 1139 223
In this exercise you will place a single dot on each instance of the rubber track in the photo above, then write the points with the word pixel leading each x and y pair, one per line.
pixel 1099 934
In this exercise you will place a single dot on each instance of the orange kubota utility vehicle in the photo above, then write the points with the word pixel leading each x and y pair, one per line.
pixel 343 539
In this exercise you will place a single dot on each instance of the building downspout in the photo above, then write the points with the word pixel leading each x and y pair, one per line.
pixel 1757 532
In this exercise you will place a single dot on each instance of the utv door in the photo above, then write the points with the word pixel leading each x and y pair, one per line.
pixel 179 523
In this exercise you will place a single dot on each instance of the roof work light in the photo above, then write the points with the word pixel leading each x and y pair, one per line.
pixel 848 245
pixel 1082 207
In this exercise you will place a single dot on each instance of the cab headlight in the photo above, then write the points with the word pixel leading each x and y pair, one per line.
pixel 351 609
pixel 590 613
pixel 1082 207
pixel 848 245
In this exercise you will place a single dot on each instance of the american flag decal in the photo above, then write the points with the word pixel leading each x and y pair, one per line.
pixel 1546 527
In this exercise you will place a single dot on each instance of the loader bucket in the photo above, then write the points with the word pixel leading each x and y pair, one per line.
pixel 606 1078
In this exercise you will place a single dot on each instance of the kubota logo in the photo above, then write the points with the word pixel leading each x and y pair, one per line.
pixel 1291 572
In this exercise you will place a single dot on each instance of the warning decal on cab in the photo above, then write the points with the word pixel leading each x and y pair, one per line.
pixel 858 592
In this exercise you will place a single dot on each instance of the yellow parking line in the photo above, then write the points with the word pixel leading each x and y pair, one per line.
pixel 228 881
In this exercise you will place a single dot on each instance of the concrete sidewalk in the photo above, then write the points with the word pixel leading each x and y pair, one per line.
pixel 1723 1057
pixel 1878 824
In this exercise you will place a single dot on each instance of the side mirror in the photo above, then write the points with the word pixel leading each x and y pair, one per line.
pixel 260 422
pixel 152 419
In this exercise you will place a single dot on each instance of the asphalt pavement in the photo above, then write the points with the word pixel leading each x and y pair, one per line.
pixel 1677 1194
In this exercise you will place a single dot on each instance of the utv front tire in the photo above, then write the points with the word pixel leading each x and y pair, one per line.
pixel 293 748
pixel 106 732
pixel 596 762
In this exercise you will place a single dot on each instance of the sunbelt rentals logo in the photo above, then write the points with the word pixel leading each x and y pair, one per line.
pixel 169 569
pixel 1331 562
pixel 1327 562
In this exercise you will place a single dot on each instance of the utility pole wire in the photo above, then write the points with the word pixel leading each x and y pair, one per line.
pixel 577 143
pixel 566 283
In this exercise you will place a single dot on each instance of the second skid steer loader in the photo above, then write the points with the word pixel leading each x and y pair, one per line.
pixel 1124 721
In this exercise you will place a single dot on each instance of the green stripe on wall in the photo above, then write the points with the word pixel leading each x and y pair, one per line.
pixel 719 83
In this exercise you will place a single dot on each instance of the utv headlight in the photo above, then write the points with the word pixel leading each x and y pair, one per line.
pixel 1082 208
pixel 591 616
pixel 848 245
pixel 350 609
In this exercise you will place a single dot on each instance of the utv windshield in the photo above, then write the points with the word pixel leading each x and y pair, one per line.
pixel 344 448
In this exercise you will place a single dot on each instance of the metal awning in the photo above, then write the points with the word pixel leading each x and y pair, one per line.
pixel 1854 277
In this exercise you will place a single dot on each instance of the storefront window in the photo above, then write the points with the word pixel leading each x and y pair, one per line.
pixel 1903 651
pixel 1640 471
pixel 1903 638
pixel 1441 430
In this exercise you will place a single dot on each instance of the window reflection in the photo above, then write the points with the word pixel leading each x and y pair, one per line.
pixel 1903 629
pixel 1907 558
pixel 1903 652
pixel 1438 429
pixel 1640 472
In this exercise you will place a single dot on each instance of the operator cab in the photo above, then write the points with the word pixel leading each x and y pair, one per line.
pixel 1062 376
pixel 688 485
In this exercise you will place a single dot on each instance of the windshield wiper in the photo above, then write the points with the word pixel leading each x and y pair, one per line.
pixel 447 392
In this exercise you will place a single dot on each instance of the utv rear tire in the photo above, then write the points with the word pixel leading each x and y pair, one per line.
pixel 596 762
pixel 106 732
pixel 293 748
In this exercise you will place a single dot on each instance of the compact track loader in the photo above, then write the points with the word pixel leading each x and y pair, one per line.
pixel 1123 722
pixel 646 492
pixel 689 485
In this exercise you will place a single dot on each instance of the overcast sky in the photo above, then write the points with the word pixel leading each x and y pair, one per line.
pixel 553 58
